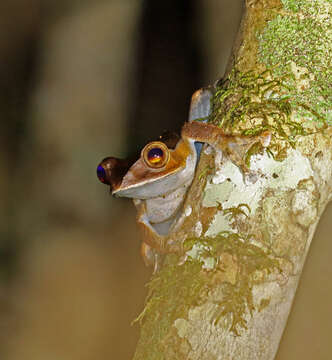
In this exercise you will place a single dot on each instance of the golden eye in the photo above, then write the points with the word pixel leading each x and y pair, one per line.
pixel 155 155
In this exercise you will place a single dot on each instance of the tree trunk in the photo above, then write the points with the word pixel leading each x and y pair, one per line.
pixel 248 223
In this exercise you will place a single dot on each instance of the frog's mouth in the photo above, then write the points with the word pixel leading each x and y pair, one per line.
pixel 150 187
pixel 128 178
pixel 141 183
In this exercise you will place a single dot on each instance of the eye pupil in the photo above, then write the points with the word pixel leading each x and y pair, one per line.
pixel 155 155
pixel 101 173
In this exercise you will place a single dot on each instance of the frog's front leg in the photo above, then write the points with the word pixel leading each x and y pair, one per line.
pixel 149 235
pixel 154 245
pixel 150 256
pixel 156 219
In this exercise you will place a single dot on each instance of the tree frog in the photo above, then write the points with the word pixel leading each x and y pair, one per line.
pixel 159 179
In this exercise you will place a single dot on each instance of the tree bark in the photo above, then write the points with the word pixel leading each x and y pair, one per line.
pixel 247 224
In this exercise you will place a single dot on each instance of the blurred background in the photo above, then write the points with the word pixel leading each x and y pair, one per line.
pixel 80 80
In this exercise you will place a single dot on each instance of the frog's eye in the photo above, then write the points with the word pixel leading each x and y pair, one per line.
pixel 102 171
pixel 111 171
pixel 155 155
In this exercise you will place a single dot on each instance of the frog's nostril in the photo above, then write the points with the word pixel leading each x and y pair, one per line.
pixel 101 173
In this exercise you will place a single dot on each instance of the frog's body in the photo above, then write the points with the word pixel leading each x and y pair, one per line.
pixel 158 181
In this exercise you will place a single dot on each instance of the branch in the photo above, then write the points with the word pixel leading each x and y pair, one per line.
pixel 247 225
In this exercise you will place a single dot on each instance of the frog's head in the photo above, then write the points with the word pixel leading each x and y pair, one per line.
pixel 162 167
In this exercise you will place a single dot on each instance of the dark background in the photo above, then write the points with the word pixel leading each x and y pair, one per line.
pixel 80 80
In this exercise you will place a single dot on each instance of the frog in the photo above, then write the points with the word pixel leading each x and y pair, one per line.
pixel 159 180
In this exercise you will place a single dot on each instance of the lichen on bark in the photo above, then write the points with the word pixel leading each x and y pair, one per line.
pixel 303 55
pixel 251 222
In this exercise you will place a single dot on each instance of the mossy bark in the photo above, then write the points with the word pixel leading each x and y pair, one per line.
pixel 247 225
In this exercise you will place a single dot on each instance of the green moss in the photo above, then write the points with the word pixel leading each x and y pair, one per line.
pixel 233 212
pixel 250 104
pixel 177 288
pixel 237 297
pixel 297 45
pixel 172 291
pixel 263 304
pixel 254 149
pixel 309 7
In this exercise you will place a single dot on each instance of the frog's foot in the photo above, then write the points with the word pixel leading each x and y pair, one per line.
pixel 151 257
pixel 153 239
pixel 215 136
pixel 233 146
pixel 155 246
pixel 155 235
